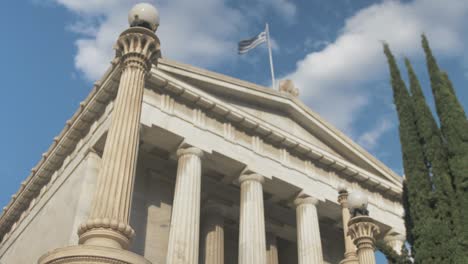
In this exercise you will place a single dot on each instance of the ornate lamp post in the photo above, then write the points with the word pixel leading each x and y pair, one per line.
pixel 350 256
pixel 106 235
pixel 362 228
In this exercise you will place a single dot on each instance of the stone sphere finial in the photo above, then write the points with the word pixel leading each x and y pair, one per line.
pixel 144 15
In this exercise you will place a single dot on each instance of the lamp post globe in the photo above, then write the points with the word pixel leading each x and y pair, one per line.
pixel 342 187
pixel 357 203
pixel 144 15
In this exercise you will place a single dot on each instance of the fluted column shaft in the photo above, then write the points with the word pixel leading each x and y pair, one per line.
pixel 350 256
pixel 309 244
pixel 272 249
pixel 185 221
pixel 213 236
pixel 108 223
pixel 252 245
pixel 363 230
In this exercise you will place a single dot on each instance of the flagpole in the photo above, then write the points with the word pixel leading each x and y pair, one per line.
pixel 271 57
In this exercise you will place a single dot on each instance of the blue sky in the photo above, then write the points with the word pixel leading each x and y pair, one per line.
pixel 53 50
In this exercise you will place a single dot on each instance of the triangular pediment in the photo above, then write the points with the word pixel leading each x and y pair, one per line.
pixel 280 110
pixel 279 119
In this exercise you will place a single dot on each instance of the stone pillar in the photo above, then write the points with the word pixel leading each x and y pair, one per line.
pixel 363 230
pixel 272 249
pixel 185 221
pixel 108 223
pixel 309 244
pixel 106 234
pixel 395 241
pixel 213 235
pixel 350 256
pixel 252 245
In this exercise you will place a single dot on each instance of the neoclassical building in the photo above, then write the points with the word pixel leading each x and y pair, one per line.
pixel 168 163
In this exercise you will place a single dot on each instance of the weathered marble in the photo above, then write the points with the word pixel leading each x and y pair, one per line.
pixel 309 244
pixel 252 245
pixel 185 223
pixel 272 249
pixel 213 235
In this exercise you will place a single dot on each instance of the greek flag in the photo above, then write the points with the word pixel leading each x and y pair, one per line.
pixel 248 44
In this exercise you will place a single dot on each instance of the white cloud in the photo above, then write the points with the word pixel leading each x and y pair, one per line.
pixel 370 138
pixel 203 32
pixel 332 81
pixel 283 7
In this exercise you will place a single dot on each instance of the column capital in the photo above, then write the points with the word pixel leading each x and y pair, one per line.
pixel 252 177
pixel 394 236
pixel 138 46
pixel 303 200
pixel 363 230
pixel 190 150
pixel 395 240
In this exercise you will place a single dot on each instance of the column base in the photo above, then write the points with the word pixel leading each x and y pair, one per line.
pixel 84 254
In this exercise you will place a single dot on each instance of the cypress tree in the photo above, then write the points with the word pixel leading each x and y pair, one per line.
pixel 454 127
pixel 435 155
pixel 392 256
pixel 448 82
pixel 409 225
pixel 418 181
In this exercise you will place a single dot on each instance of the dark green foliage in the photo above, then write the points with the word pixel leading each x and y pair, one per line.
pixel 392 256
pixel 408 220
pixel 435 152
pixel 454 127
pixel 435 191
pixel 418 181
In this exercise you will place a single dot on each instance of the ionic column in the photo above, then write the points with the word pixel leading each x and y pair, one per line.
pixel 350 256
pixel 185 220
pixel 252 248
pixel 108 223
pixel 309 244
pixel 363 231
pixel 395 241
pixel 272 249
pixel 213 235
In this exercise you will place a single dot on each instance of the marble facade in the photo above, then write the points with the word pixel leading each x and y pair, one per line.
pixel 212 170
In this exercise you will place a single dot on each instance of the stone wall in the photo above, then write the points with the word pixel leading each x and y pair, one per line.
pixel 55 215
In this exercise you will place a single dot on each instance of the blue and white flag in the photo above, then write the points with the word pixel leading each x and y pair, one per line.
pixel 248 44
